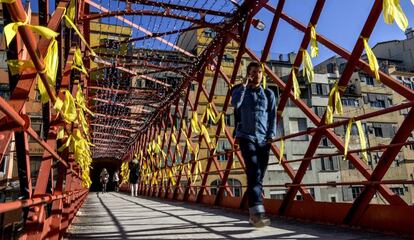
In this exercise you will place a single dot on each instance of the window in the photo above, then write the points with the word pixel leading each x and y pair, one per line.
pixel 319 89
pixel 222 146
pixel 352 102
pixel 378 132
pixel 350 165
pixel 298 125
pixel 277 194
pixel 4 91
pixel 37 126
pixel 312 192
pixel 111 44
pixel 356 191
pixel 398 190
pixel 329 163
pixel 325 142
pixel 208 33
pixel 214 187
pixel 319 110
pixel 330 67
pixel 385 130
pixel 228 58
pixel 234 185
pixel 228 120
pixel 192 87
pixel 378 104
pixel 369 80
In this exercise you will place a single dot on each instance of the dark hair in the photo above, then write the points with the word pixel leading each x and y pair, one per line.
pixel 251 65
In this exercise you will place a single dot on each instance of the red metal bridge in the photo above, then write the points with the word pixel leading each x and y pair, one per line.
pixel 114 80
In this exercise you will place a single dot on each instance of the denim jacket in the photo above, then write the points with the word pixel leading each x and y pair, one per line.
pixel 258 114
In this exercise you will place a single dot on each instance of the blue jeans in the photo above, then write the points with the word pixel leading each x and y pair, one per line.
pixel 256 157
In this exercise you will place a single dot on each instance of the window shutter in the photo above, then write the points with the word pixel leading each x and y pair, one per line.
pixel 313 88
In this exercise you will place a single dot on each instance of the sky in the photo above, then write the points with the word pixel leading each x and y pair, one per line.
pixel 341 21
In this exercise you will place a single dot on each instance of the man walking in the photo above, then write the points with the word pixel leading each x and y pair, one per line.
pixel 256 108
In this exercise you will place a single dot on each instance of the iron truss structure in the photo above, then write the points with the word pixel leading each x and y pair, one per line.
pixel 142 44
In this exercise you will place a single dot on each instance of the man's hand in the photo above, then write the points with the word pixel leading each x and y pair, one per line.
pixel 247 80
pixel 270 140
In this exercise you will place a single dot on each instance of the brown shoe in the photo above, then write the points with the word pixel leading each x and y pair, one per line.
pixel 259 220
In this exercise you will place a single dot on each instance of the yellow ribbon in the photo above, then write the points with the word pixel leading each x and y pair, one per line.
pixel 18 66
pixel 223 123
pixel 7 1
pixel 372 60
pixel 80 100
pixel 10 30
pixel 347 137
pixel 334 95
pixel 173 138
pixel 171 176
pixel 125 172
pixel 206 135
pixel 69 108
pixel 392 11
pixel 194 123
pixel 362 141
pixel 296 89
pixel 313 42
pixel 282 149
pixel 264 76
pixel 70 22
pixel 70 13
pixel 189 147
pixel 78 62
pixel 307 65
pixel 60 133
pixel 51 66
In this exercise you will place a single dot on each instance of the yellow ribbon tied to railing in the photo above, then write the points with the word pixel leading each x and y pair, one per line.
pixel 171 176
pixel 18 66
pixel 78 62
pixel 51 67
pixel 313 43
pixel 362 140
pixel 307 65
pixel 10 30
pixel 51 60
pixel 206 135
pixel 392 11
pixel 281 150
pixel 264 79
pixel 80 100
pixel 70 12
pixel 334 103
pixel 295 83
pixel 60 133
pixel 125 172
pixel 372 60
pixel 70 23
pixel 194 123
pixel 67 108
pixel 347 138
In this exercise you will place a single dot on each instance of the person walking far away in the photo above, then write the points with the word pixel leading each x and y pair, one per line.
pixel 134 176
pixel 104 179
pixel 256 109
pixel 115 179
